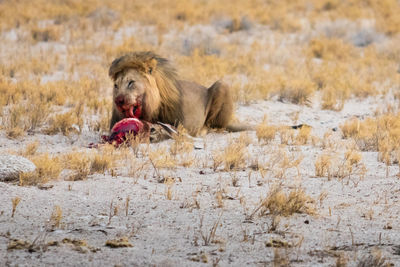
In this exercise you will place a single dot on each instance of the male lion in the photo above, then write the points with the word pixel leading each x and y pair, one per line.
pixel 146 86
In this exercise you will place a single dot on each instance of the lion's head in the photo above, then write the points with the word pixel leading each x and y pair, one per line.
pixel 145 86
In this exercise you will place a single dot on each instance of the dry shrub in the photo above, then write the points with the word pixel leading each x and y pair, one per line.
pixel 96 161
pixel 374 258
pixel 102 162
pixel 323 165
pixel 286 135
pixel 280 203
pixel 45 34
pixel 13 121
pixel 182 144
pixel 380 134
pixel 233 156
pixel 161 158
pixel 122 242
pixel 332 98
pixel 330 49
pixel 303 135
pixel 80 163
pixel 15 132
pixel 55 218
pixel 365 133
pixel 297 91
pixel 31 149
pixel 27 115
pixel 266 133
pixel 14 201
pixel 340 166
pixel 47 169
pixel 281 161
pixel 63 123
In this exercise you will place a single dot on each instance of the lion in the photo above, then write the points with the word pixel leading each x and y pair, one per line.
pixel 146 86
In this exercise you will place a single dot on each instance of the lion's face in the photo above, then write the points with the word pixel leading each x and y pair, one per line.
pixel 134 94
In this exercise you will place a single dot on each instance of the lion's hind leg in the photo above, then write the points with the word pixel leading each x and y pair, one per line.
pixel 219 108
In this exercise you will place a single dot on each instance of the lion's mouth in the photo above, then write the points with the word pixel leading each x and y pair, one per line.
pixel 132 111
pixel 127 108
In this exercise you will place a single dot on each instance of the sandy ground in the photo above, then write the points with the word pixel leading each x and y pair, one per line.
pixel 356 217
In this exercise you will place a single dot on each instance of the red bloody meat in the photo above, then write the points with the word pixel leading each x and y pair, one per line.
pixel 123 127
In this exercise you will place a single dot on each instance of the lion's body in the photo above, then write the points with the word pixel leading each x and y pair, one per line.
pixel 147 84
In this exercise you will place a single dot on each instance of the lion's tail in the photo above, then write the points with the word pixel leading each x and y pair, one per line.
pixel 239 127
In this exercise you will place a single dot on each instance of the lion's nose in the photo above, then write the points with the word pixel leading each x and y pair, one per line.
pixel 120 101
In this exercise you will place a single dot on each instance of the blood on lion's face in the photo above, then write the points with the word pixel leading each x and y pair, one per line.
pixel 129 93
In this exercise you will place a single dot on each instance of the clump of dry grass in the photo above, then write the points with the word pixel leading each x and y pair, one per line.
pixel 102 162
pixel 233 156
pixel 266 133
pixel 182 148
pixel 122 242
pixel 80 163
pixel 330 49
pixel 281 160
pixel 47 169
pixel 323 165
pixel 210 235
pixel 346 166
pixel 286 135
pixel 375 258
pixel 31 149
pixel 46 34
pixel 381 134
pixel 96 161
pixel 63 123
pixel 15 201
pixel 303 135
pixel 162 159
pixel 277 202
pixel 55 218
pixel 297 91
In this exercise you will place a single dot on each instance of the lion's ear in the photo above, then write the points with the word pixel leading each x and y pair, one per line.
pixel 151 65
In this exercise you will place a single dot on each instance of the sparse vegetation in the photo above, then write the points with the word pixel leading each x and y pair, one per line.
pixel 279 203
pixel 330 64
pixel 15 201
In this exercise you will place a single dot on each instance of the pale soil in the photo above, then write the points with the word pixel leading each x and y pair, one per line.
pixel 351 220
pixel 356 217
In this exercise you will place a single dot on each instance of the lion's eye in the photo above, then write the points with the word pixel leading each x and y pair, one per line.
pixel 115 86
pixel 131 83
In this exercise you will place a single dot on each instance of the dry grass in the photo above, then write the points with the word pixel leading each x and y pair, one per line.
pixel 53 80
pixel 234 155
pixel 381 133
pixel 15 201
pixel 349 165
pixel 96 161
pixel 47 169
pixel 262 70
pixel 375 258
pixel 265 132
pixel 161 158
pixel 55 218
pixel 122 242
pixel 277 202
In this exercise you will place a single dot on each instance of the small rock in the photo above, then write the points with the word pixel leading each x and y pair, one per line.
pixel 11 166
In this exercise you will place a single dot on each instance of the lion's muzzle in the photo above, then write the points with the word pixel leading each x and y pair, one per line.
pixel 126 107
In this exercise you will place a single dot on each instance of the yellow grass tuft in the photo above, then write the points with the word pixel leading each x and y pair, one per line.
pixel 280 203
pixel 266 133
pixel 47 169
